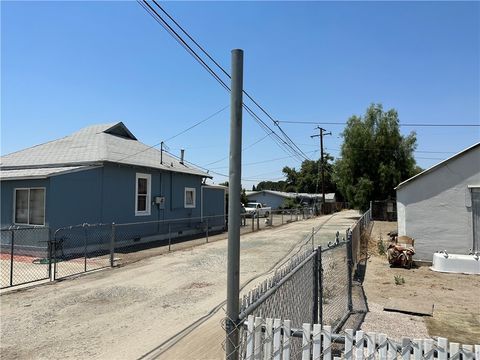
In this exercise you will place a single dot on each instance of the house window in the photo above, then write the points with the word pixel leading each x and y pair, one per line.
pixel 189 197
pixel 142 194
pixel 29 206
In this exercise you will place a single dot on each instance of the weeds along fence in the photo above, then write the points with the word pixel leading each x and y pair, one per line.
pixel 30 254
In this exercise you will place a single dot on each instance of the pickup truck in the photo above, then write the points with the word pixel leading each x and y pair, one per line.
pixel 257 209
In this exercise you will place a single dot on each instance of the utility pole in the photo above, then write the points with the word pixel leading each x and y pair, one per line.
pixel 161 153
pixel 234 189
pixel 321 134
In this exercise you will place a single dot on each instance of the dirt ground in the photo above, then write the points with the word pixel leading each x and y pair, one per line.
pixel 129 311
pixel 456 298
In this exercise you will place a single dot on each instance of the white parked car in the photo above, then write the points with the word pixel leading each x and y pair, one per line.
pixel 257 209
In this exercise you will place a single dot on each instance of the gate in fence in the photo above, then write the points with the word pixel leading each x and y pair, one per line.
pixel 24 255
pixel 79 249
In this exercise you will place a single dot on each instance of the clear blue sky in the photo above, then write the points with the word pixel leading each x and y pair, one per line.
pixel 66 65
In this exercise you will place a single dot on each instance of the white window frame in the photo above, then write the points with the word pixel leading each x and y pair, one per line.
pixel 28 205
pixel 190 206
pixel 148 177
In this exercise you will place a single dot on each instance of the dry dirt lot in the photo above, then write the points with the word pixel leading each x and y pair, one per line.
pixel 125 312
pixel 456 298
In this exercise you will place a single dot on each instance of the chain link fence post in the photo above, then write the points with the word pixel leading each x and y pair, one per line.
pixel 313 238
pixel 169 236
pixel 320 287
pixel 315 285
pixel 50 255
pixel 54 250
pixel 207 230
pixel 12 247
pixel 112 246
pixel 85 247
pixel 350 270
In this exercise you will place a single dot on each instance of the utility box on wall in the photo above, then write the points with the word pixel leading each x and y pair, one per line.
pixel 160 201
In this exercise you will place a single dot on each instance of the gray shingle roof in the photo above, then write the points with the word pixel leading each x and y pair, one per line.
pixel 93 145
pixel 39 173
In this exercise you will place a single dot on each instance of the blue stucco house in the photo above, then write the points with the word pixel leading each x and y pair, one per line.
pixel 102 174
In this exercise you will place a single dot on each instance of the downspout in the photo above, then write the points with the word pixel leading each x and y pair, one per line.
pixel 201 203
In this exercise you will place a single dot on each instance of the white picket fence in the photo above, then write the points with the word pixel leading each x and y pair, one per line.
pixel 272 339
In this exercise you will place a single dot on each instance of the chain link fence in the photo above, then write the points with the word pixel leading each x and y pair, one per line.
pixel 24 255
pixel 31 254
pixel 334 285
pixel 79 249
pixel 315 287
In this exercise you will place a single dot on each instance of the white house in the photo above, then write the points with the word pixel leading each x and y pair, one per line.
pixel 440 207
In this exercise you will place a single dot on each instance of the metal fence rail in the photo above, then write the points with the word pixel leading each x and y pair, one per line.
pixel 334 285
pixel 315 287
pixel 36 253
pixel 24 255
pixel 79 249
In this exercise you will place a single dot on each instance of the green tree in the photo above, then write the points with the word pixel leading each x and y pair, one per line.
pixel 375 157
pixel 308 178
pixel 271 185
pixel 243 194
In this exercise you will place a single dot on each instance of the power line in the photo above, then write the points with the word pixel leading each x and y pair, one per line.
pixel 400 124
pixel 182 43
pixel 174 136
pixel 287 144
pixel 245 148
pixel 196 124
pixel 388 150
pixel 396 150
pixel 228 75
pixel 265 161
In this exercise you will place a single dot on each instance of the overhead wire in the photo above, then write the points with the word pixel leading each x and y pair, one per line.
pixel 196 124
pixel 228 75
pixel 400 124
pixel 174 136
pixel 243 149
pixel 182 42
pixel 266 161
pixel 287 141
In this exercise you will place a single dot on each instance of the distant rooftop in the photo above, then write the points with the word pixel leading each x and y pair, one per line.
pixel 94 145
pixel 293 195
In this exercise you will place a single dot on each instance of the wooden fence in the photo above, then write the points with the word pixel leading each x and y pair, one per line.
pixel 272 339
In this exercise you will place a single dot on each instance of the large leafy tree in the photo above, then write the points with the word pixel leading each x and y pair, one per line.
pixel 270 185
pixel 375 157
pixel 308 179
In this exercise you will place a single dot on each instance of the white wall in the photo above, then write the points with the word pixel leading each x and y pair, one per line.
pixel 435 209
pixel 274 201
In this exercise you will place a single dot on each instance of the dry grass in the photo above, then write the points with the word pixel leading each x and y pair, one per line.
pixel 455 297
pixel 457 327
